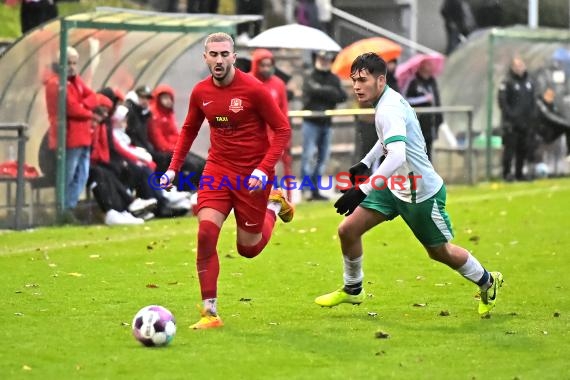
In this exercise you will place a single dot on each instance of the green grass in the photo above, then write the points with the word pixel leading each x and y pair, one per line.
pixel 69 293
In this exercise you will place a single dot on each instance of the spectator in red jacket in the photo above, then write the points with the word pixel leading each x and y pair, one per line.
pixel 81 101
pixel 163 134
pixel 162 130
pixel 263 68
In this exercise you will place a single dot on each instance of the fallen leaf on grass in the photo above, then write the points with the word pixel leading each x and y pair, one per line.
pixel 245 299
pixel 274 323
pixel 94 256
pixel 18 314
pixel 556 314
pixel 474 238
pixel 32 286
pixel 510 332
pixel 151 286
pixel 419 304
pixel 381 335
pixel 380 353
pixel 125 324
pixel 75 274
pixel 173 283
pixel 444 313
pixel 372 314
pixel 26 368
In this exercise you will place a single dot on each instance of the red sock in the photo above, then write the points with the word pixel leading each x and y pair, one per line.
pixel 254 250
pixel 207 261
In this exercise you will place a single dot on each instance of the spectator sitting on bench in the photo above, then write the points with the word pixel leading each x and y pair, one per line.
pixel 139 168
pixel 111 195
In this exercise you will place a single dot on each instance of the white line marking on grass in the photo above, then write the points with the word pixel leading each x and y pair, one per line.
pixel 81 243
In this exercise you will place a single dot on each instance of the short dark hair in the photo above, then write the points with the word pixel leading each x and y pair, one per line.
pixel 370 62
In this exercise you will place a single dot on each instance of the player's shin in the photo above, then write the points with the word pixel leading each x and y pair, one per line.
pixel 353 275
pixel 474 272
pixel 207 262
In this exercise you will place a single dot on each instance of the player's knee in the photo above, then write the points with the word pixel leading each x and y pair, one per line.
pixel 248 251
pixel 208 234
pixel 346 232
pixel 439 253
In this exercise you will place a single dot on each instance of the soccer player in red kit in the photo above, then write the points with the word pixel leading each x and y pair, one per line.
pixel 238 109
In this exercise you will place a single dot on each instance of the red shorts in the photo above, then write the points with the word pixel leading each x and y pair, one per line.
pixel 224 191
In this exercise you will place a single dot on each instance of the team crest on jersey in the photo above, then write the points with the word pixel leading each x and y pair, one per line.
pixel 236 105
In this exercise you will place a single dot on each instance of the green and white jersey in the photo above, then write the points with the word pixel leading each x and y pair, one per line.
pixel 396 120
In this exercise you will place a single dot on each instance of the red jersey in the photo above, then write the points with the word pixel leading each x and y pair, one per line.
pixel 238 115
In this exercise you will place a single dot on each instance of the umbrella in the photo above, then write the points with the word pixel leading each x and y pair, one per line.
pixel 406 71
pixel 384 47
pixel 294 36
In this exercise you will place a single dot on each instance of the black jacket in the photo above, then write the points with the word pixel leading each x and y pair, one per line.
pixel 517 102
pixel 418 88
pixel 551 124
pixel 322 91
pixel 137 125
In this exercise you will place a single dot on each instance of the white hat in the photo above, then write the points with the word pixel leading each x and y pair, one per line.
pixel 120 113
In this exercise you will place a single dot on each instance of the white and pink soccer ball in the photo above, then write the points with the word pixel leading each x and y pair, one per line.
pixel 154 326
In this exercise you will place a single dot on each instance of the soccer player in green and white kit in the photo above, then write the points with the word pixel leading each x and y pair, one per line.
pixel 420 201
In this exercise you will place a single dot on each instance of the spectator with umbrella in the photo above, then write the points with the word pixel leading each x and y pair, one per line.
pixel 417 77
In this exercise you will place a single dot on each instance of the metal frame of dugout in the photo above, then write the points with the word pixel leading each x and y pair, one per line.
pixel 15 132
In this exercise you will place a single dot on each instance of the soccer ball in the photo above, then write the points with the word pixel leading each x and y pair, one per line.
pixel 154 326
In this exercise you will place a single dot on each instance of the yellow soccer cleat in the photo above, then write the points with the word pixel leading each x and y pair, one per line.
pixel 207 321
pixel 340 296
pixel 287 209
pixel 489 297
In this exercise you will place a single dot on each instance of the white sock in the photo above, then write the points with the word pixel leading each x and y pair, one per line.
pixel 474 271
pixel 210 304
pixel 353 273
pixel 274 206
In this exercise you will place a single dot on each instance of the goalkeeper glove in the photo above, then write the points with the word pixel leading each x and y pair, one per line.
pixel 349 201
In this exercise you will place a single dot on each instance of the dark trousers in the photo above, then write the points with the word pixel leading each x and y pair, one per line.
pixel 109 192
pixel 192 164
pixel 33 14
pixel 515 145
pixel 202 6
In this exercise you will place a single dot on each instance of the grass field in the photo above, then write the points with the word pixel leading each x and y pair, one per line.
pixel 70 293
